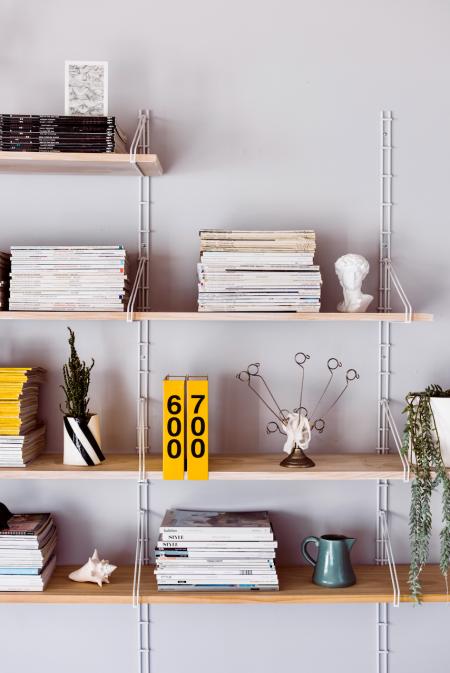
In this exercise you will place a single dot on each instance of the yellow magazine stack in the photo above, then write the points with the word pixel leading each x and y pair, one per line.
pixel 21 436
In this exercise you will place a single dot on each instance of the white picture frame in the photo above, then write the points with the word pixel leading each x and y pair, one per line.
pixel 86 88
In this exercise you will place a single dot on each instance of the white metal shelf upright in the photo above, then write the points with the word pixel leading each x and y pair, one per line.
pixel 140 298
pixel 386 423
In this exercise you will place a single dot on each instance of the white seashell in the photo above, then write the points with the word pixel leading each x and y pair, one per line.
pixel 93 570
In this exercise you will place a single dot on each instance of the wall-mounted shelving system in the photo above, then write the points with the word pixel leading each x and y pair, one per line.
pixel 377 583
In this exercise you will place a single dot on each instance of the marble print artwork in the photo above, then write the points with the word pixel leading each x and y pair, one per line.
pixel 86 88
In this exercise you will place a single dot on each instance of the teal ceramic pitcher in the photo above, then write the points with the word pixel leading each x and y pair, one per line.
pixel 333 567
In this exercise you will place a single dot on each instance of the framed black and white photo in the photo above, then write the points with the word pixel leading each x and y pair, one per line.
pixel 86 88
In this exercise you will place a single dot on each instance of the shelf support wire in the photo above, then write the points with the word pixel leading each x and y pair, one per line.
pixel 390 559
pixel 384 369
pixel 139 141
pixel 392 426
pixel 136 285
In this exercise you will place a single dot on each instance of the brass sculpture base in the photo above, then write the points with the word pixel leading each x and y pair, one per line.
pixel 297 458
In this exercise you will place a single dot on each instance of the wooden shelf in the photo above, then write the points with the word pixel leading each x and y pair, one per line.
pixel 50 466
pixel 373 586
pixel 71 163
pixel 212 317
pixel 247 467
pixel 62 590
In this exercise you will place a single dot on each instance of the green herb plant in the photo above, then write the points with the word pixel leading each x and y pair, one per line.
pixel 77 377
pixel 421 438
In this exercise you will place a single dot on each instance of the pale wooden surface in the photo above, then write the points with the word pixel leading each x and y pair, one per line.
pixel 78 163
pixel 214 317
pixel 50 466
pixel 245 467
pixel 62 590
pixel 327 467
pixel 373 586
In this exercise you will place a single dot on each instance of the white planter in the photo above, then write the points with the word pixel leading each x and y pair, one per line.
pixel 82 443
pixel 440 407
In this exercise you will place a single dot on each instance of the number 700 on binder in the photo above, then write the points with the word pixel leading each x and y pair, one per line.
pixel 185 427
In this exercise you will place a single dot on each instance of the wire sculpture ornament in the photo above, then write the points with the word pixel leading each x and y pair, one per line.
pixel 297 425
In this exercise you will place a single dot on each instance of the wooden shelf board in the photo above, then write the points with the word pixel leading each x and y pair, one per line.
pixel 351 466
pixel 281 317
pixel 50 466
pixel 373 586
pixel 78 163
pixel 239 467
pixel 62 590
pixel 212 317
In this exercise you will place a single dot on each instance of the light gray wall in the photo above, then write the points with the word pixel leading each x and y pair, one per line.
pixel 266 115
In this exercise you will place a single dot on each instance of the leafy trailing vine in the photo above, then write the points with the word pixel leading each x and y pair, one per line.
pixel 422 440
pixel 77 377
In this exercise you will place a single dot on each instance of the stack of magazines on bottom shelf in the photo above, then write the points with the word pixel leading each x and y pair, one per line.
pixel 27 552
pixel 4 279
pixel 216 551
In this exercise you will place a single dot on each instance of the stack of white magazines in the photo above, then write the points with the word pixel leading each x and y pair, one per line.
pixel 4 279
pixel 27 552
pixel 258 271
pixel 216 551
pixel 68 278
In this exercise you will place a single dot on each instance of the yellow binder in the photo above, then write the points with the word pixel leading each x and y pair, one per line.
pixel 197 427
pixel 173 427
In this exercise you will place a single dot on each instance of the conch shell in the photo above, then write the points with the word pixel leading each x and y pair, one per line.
pixel 93 571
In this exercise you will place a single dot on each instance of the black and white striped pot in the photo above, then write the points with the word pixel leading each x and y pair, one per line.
pixel 82 443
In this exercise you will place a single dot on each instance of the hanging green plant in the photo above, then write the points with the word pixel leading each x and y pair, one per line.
pixel 422 447
pixel 77 377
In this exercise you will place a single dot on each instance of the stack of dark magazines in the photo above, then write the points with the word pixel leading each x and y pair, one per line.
pixel 27 552
pixel 5 265
pixel 258 271
pixel 59 133
pixel 216 551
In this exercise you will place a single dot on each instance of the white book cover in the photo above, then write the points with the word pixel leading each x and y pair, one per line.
pixel 208 544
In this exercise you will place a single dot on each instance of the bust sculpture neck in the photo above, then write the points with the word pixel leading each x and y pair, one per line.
pixel 354 301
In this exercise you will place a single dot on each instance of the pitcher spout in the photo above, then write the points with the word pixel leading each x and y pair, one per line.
pixel 350 541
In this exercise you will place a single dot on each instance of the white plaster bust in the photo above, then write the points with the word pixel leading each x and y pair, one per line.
pixel 351 271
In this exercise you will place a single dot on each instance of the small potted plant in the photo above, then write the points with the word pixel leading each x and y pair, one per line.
pixel 82 444
pixel 427 446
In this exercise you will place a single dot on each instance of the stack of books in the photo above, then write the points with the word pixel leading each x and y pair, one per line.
pixel 216 551
pixel 258 271
pixel 4 280
pixel 59 133
pixel 69 278
pixel 27 552
pixel 22 438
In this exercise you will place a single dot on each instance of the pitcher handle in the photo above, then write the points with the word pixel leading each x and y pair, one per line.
pixel 306 555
